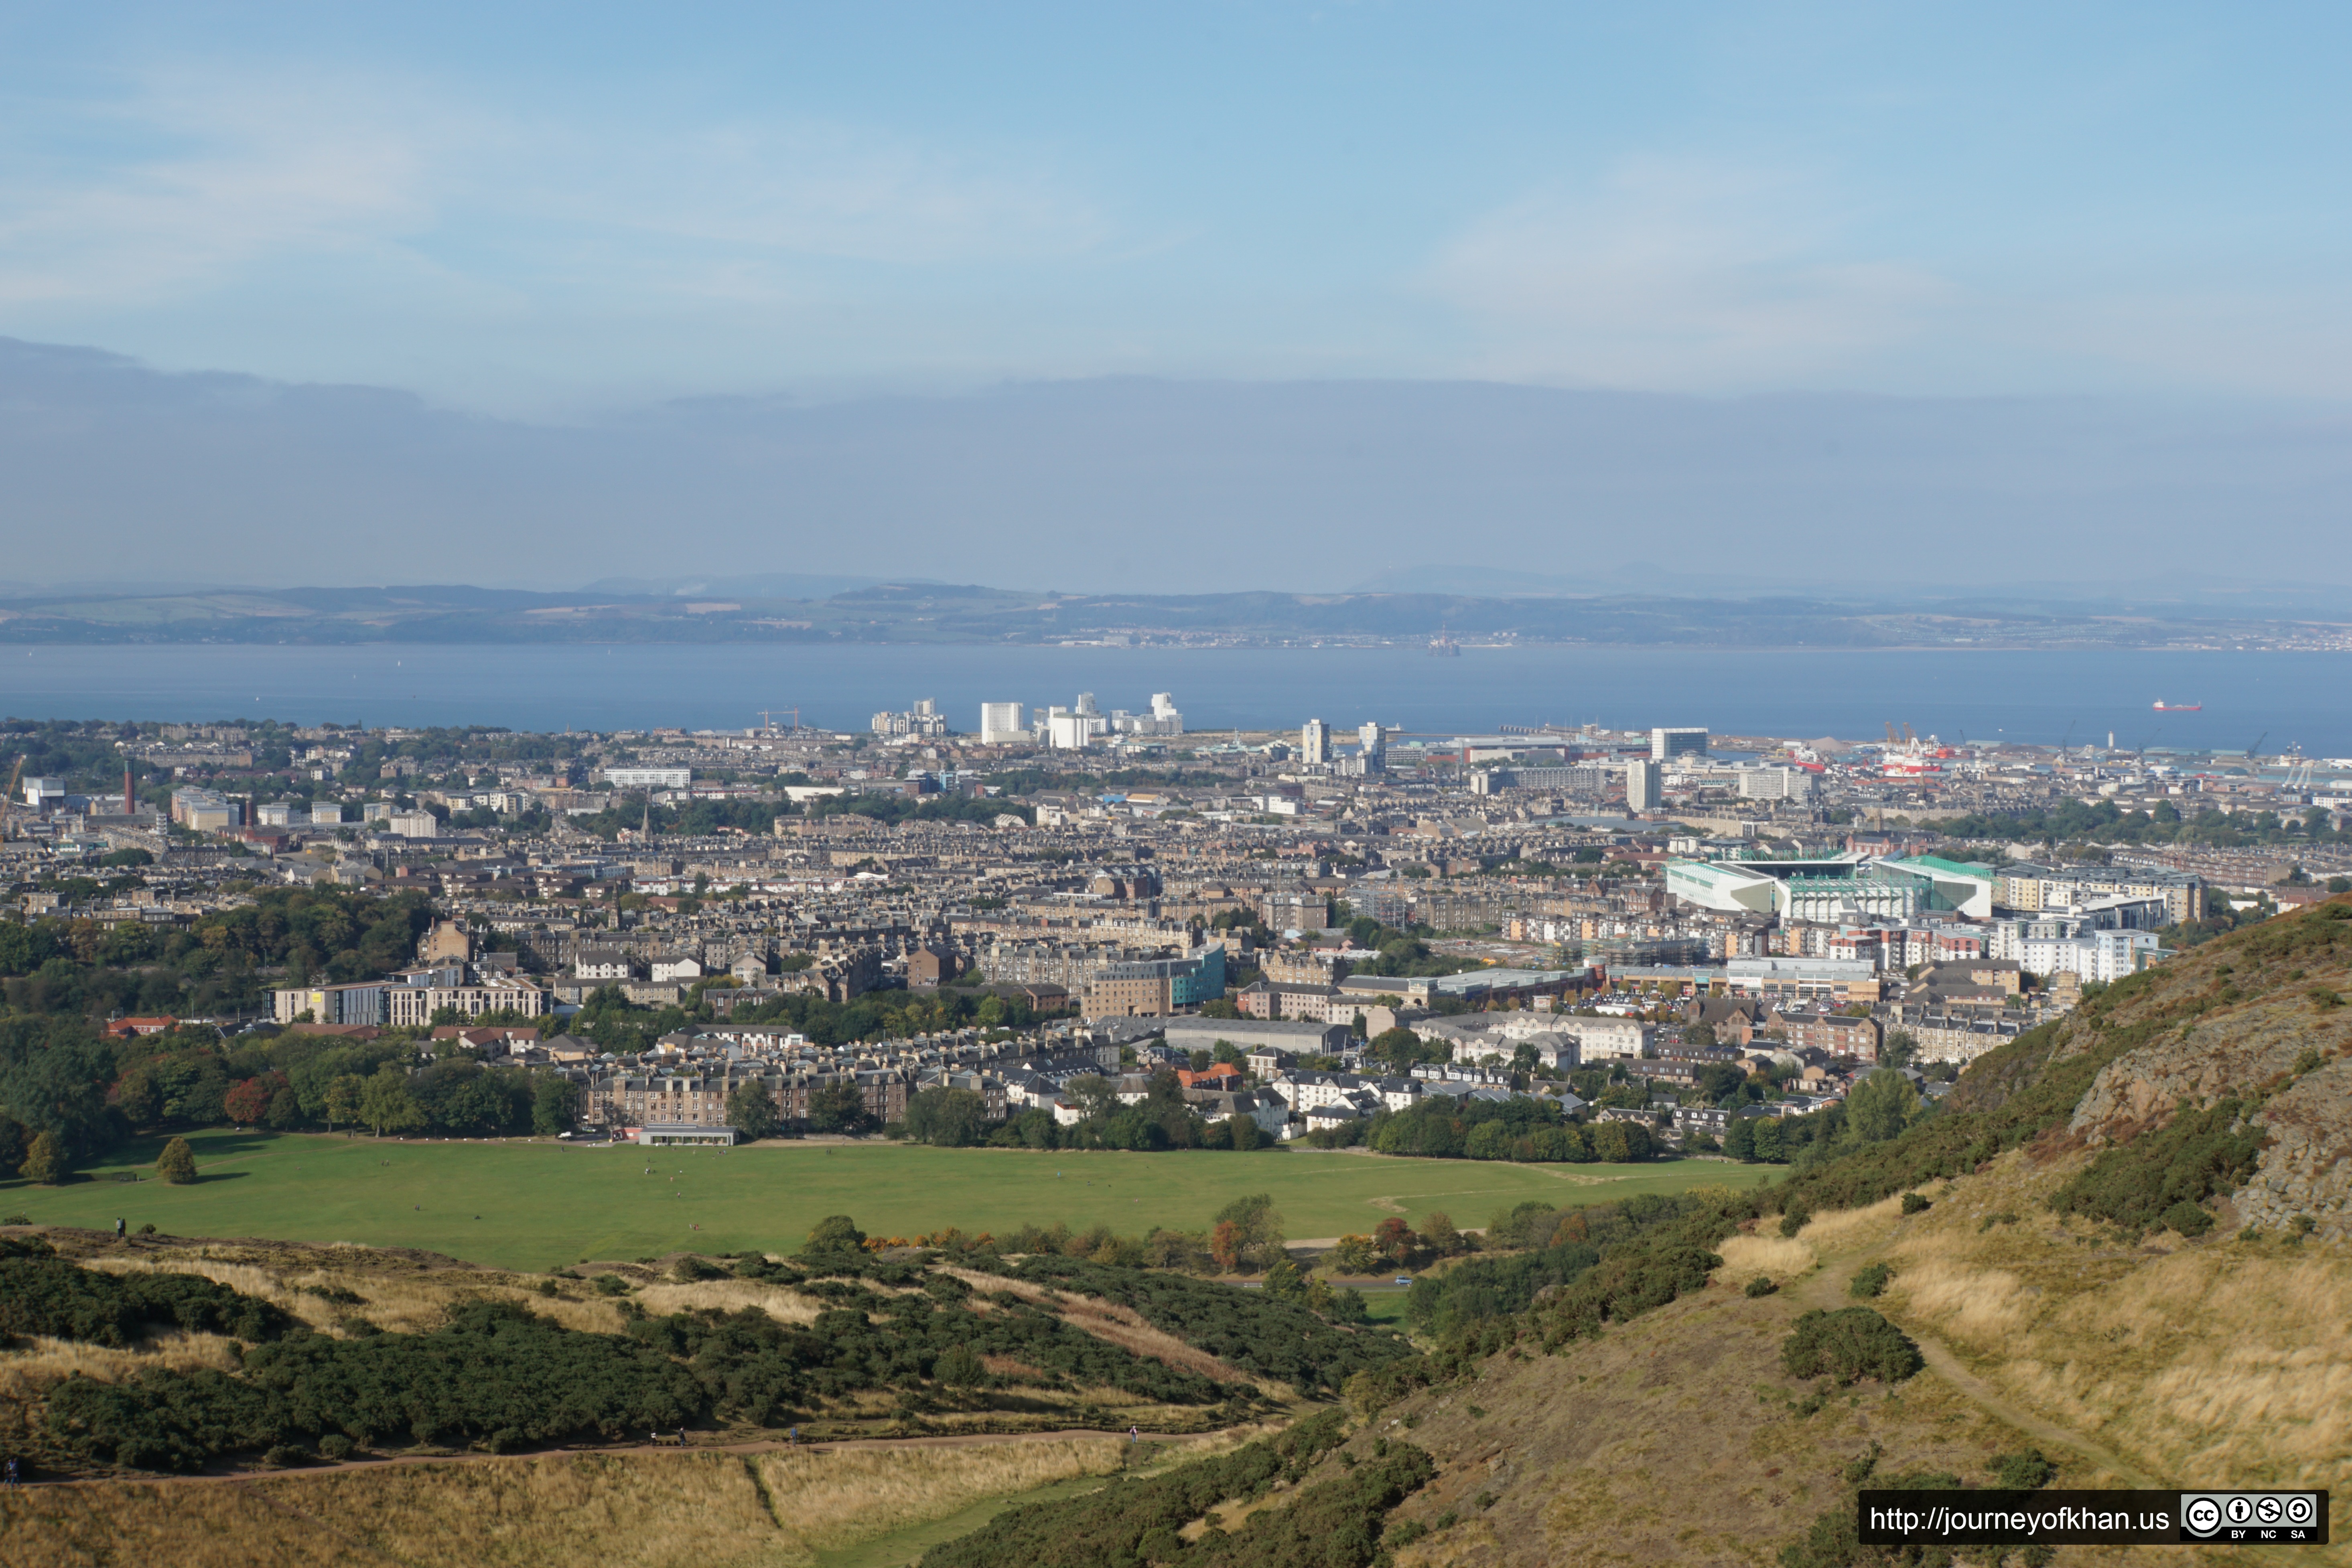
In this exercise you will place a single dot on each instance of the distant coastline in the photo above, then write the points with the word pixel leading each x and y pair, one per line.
pixel 933 615
pixel 2031 696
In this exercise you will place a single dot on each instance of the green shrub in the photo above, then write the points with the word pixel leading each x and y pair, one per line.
pixel 1794 1219
pixel 1337 1522
pixel 1760 1286
pixel 1259 1332
pixel 178 1164
pixel 1853 1342
pixel 1914 1203
pixel 334 1447
pixel 2193 1157
pixel 1871 1283
pixel 2026 1472
pixel 1835 1541
pixel 1483 1287
pixel 2187 1218
pixel 41 1293
pixel 611 1285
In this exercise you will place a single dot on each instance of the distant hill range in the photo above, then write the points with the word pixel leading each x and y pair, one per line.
pixel 773 608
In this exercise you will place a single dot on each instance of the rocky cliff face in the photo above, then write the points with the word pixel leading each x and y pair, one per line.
pixel 2260 1017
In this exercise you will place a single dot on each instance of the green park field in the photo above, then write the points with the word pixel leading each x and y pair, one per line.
pixel 530 1205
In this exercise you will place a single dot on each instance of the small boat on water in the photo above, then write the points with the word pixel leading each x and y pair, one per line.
pixel 2164 707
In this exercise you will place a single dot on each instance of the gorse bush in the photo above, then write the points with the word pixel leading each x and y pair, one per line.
pixel 1252 1330
pixel 1834 1540
pixel 2189 1219
pixel 1654 1250
pixel 1851 1343
pixel 1333 1523
pixel 2026 1472
pixel 500 1377
pixel 1871 1282
pixel 1494 1287
pixel 2163 1176
pixel 41 1293
pixel 496 1372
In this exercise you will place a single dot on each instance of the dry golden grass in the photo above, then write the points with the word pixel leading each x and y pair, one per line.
pixel 23 1373
pixel 729 1295
pixel 1841 1229
pixel 401 1303
pixel 831 1501
pixel 1983 1307
pixel 1745 1258
pixel 2218 1361
pixel 619 1511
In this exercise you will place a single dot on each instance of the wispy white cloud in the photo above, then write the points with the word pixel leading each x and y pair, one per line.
pixel 1673 273
pixel 196 183
pixel 834 191
pixel 220 178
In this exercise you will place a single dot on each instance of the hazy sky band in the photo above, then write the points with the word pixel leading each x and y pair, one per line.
pixel 538 209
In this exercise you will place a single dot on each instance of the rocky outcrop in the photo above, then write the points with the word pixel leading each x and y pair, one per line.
pixel 2259 1019
pixel 2307 1167
pixel 2235 1053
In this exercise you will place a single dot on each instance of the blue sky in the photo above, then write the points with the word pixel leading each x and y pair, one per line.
pixel 540 210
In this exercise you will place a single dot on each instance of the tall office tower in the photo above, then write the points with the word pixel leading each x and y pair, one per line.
pixel 1645 785
pixel 1665 745
pixel 1375 743
pixel 1315 743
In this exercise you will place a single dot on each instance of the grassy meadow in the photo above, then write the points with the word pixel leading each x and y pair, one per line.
pixel 533 1205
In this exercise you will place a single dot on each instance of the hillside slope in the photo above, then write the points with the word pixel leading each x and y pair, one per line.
pixel 2063 1299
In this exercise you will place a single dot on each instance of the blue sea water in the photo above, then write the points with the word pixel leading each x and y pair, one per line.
pixel 2281 699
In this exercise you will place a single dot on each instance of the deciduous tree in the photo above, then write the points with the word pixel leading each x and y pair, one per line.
pixel 248 1103
pixel 389 1107
pixel 47 1161
pixel 751 1109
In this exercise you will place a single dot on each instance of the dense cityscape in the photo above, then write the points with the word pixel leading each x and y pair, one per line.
pixel 1187 786
pixel 1668 936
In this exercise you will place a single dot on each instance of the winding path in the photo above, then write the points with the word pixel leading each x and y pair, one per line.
pixel 1826 1288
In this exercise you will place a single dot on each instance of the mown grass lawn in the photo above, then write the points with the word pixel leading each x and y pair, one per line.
pixel 533 1205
